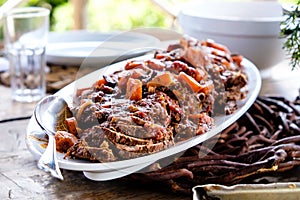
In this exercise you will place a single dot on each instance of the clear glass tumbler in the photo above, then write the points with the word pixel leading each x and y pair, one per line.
pixel 25 35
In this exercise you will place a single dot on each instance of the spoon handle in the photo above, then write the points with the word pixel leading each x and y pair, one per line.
pixel 48 161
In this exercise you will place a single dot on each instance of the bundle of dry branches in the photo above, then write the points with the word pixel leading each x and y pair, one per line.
pixel 264 141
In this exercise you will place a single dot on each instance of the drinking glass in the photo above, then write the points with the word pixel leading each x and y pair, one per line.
pixel 25 36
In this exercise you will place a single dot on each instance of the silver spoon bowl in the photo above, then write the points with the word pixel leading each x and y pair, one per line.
pixel 48 113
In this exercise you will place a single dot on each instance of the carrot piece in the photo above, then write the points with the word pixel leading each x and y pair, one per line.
pixel 160 56
pixel 134 89
pixel 64 140
pixel 71 124
pixel 100 82
pixel 189 81
pixel 237 59
pixel 160 80
pixel 134 64
pixel 225 63
pixel 212 44
pixel 122 82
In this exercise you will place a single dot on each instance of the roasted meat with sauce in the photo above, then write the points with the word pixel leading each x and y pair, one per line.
pixel 155 103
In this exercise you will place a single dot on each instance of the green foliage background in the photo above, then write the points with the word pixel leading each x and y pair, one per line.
pixel 108 15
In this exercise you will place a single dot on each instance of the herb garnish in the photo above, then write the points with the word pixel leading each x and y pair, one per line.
pixel 290 30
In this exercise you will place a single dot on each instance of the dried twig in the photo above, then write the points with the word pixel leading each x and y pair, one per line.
pixel 265 140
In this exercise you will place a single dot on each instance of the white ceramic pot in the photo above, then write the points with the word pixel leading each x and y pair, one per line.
pixel 248 28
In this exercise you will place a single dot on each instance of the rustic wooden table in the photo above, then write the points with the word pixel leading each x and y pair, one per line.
pixel 21 179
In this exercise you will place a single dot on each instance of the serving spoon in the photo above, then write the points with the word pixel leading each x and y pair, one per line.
pixel 48 113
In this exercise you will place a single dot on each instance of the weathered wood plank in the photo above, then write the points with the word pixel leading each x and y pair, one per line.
pixel 21 179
